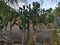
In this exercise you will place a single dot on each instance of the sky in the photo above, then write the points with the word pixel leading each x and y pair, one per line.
pixel 46 3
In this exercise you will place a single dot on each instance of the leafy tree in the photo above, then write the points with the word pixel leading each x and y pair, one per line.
pixel 50 18
pixel 22 21
pixel 56 12
pixel 7 14
pixel 35 16
pixel 24 16
pixel 49 10
pixel 42 19
pixel 4 12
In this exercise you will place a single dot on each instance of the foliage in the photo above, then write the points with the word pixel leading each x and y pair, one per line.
pixel 43 19
pixel 4 8
pixel 49 10
pixel 27 15
pixel 55 37
pixel 58 4
pixel 50 18
pixel 56 12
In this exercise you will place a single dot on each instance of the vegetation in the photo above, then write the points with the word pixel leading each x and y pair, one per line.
pixel 27 15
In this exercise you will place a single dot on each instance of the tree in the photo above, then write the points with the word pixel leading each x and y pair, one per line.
pixel 12 18
pixel 59 4
pixel 1 24
pixel 22 21
pixel 35 19
pixel 50 18
pixel 28 16
pixel 49 10
pixel 3 13
pixel 7 14
pixel 25 16
pixel 56 12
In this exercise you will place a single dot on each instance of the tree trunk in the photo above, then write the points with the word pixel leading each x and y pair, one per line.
pixel 22 38
pixel 10 34
pixel 28 32
pixel 34 35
